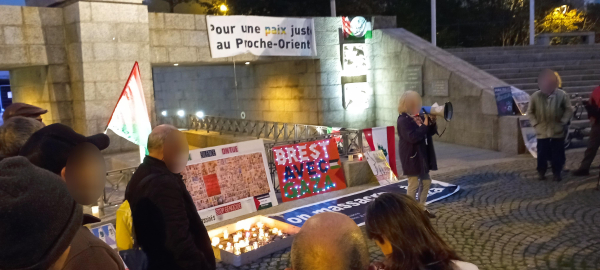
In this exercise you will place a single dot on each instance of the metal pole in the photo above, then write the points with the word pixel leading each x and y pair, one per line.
pixel 332 4
pixel 531 22
pixel 433 23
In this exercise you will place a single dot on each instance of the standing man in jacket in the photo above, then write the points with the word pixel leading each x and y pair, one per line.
pixel 165 220
pixel 549 112
pixel 593 110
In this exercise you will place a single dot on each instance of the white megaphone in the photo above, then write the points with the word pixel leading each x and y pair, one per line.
pixel 441 111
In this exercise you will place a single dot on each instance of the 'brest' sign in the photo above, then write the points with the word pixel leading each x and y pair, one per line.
pixel 233 35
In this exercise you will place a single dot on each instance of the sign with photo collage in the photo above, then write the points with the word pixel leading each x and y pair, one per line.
pixel 230 180
pixel 309 168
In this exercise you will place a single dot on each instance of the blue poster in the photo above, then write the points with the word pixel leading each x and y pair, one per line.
pixel 107 234
pixel 355 205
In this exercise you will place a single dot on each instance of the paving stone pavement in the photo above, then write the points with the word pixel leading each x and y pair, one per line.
pixel 504 218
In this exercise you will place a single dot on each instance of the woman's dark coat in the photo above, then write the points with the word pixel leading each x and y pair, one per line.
pixel 417 154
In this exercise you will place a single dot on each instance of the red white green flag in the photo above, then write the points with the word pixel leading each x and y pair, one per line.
pixel 130 118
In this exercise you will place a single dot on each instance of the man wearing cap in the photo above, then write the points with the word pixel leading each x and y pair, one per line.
pixel 25 110
pixel 39 217
pixel 77 159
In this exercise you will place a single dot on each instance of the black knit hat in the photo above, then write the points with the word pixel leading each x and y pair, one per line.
pixel 50 147
pixel 39 217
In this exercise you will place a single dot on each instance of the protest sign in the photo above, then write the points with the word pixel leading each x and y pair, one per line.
pixel 529 135
pixel 230 180
pixel 309 168
pixel 504 100
pixel 234 35
pixel 355 205
pixel 380 167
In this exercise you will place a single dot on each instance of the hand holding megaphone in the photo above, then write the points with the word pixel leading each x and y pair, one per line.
pixel 445 111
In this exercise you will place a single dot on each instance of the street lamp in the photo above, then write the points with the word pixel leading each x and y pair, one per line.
pixel 223 8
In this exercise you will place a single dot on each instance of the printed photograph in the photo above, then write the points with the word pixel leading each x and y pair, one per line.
pixel 226 180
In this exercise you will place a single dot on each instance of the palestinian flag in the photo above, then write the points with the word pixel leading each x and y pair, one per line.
pixel 384 139
pixel 357 28
pixel 334 164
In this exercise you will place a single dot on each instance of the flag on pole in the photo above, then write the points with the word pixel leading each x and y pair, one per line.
pixel 130 118
pixel 384 139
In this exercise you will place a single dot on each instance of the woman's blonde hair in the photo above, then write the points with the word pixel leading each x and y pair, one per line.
pixel 405 100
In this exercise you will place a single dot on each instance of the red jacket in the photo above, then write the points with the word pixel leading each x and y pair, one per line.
pixel 593 106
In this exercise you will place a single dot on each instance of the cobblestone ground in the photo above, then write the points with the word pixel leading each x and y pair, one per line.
pixel 504 218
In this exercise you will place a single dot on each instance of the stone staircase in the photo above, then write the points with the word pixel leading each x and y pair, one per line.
pixel 578 66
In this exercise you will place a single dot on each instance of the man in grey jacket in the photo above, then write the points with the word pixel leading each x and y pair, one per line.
pixel 549 112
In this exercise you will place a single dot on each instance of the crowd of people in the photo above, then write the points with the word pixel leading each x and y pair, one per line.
pixel 47 173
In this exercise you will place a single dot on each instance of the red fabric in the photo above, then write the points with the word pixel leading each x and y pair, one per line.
pixel 595 97
pixel 369 136
pixel 391 138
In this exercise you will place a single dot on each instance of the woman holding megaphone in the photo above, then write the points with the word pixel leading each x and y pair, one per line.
pixel 417 154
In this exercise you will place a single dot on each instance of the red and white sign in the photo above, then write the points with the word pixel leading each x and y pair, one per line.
pixel 383 138
pixel 306 169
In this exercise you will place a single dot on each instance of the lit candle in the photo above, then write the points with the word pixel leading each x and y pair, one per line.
pixel 220 246
pixel 261 231
pixel 247 227
pixel 253 235
pixel 228 245
pixel 260 225
pixel 215 241
pixel 274 230
pixel 235 238
pixel 255 245
pixel 248 248
pixel 237 252
pixel 239 234
pixel 253 229
pixel 279 233
pixel 225 234
pixel 247 235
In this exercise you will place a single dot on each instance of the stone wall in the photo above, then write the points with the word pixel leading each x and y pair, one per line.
pixel 32 45
pixel 470 90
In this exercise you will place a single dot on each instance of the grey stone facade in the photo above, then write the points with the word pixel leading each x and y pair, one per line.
pixel 82 53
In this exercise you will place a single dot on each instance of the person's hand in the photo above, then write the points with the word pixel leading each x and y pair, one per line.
pixel 433 118
pixel 592 120
pixel 426 121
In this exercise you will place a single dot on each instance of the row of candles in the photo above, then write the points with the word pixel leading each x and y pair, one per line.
pixel 241 239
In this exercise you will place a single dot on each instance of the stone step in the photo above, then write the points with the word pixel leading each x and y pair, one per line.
pixel 536 57
pixel 527 67
pixel 540 64
pixel 565 78
pixel 570 90
pixel 526 73
pixel 523 48
pixel 568 84
pixel 483 53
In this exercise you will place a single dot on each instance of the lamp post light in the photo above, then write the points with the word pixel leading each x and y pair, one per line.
pixel 223 8
pixel 531 22
pixel 433 23
pixel 332 5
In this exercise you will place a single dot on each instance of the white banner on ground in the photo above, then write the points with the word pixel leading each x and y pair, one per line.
pixel 234 35
pixel 529 136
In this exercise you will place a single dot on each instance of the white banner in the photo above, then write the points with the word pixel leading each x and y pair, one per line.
pixel 233 35
pixel 529 135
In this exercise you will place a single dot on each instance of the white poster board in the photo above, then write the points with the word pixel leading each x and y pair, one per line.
pixel 230 180
pixel 233 35
pixel 529 135
pixel 380 167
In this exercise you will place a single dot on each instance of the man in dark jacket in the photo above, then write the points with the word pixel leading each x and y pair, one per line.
pixel 165 220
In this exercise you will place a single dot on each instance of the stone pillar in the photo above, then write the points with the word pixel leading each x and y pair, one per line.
pixel 103 42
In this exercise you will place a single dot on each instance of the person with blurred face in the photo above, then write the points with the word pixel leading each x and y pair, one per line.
pixel 417 154
pixel 549 112
pixel 77 160
pixel 165 220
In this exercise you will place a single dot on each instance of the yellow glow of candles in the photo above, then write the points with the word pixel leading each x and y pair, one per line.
pixel 266 235
pixel 225 234
pixel 235 238
pixel 237 252
pixel 215 241
pixel 274 230
pixel 220 246
pixel 247 227
pixel 228 245
pixel 260 225
pixel 253 229
pixel 248 248
pixel 261 230
pixel 255 245
pixel 95 211
pixel 239 234
pixel 279 233
pixel 247 235
pixel 253 235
